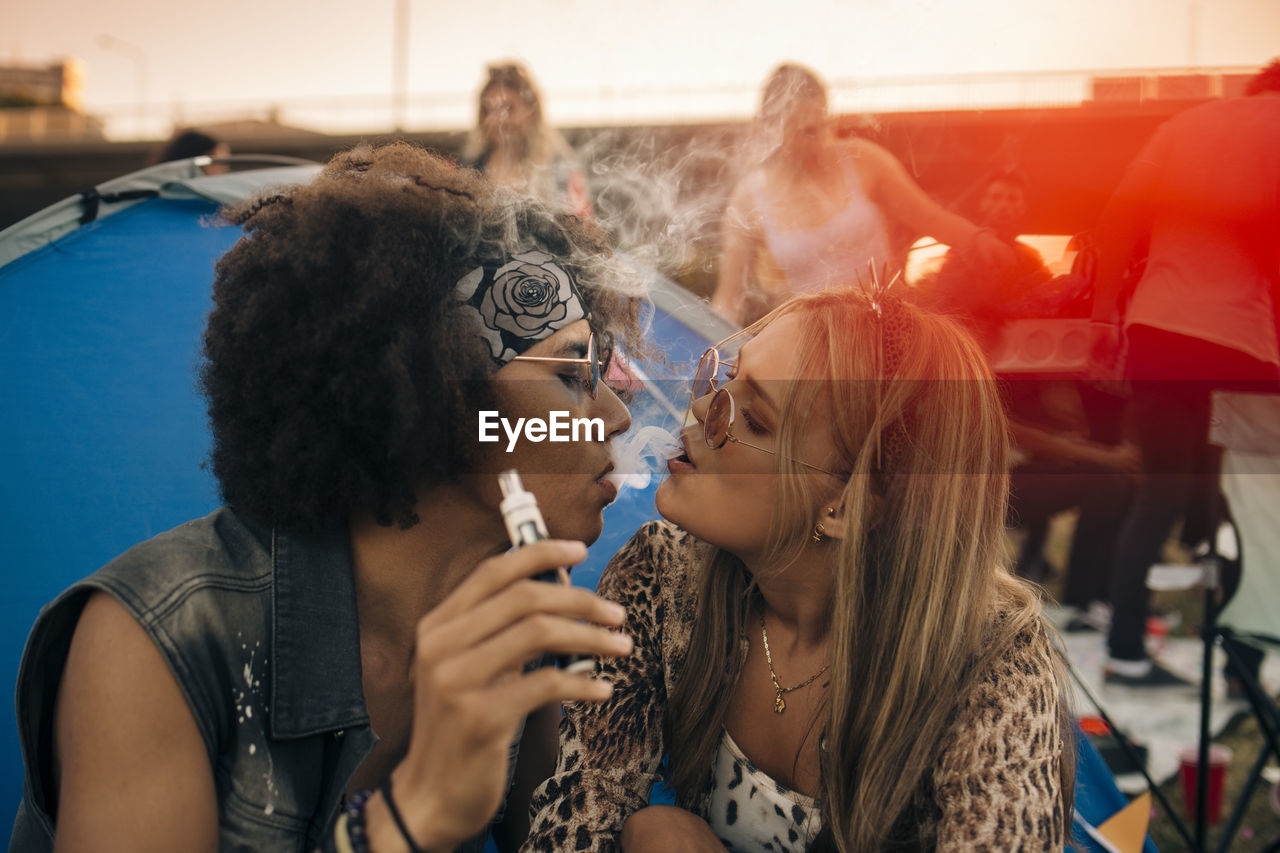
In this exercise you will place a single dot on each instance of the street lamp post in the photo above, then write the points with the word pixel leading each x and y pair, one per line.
pixel 139 58
pixel 400 66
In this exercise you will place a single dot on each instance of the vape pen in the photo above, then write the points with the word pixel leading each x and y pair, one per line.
pixel 525 526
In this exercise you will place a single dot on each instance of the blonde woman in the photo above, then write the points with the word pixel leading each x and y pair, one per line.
pixel 829 646
pixel 816 207
pixel 514 146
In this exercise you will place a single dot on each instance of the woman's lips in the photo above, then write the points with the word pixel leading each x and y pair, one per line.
pixel 676 466
pixel 682 463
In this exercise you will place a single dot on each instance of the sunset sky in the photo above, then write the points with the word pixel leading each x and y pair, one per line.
pixel 594 58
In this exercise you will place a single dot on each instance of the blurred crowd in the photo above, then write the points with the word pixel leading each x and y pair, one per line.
pixel 1175 287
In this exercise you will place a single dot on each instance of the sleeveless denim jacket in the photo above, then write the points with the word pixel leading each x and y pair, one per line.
pixel 259 629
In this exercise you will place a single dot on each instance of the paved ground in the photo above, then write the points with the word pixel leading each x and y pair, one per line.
pixel 1165 719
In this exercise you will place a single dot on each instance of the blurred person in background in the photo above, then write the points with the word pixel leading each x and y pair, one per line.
pixel 967 284
pixel 1062 461
pixel 514 146
pixel 1198 213
pixel 1064 456
pixel 815 210
pixel 189 142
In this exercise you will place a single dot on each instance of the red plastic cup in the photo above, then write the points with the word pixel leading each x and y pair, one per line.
pixel 1219 761
pixel 1094 726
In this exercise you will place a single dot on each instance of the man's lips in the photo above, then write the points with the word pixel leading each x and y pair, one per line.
pixel 607 483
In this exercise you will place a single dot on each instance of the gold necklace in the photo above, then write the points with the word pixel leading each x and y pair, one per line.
pixel 780 704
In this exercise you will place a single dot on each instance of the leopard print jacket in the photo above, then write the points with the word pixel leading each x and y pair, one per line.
pixel 994 787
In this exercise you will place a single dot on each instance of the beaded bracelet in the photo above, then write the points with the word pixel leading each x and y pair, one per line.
pixel 354 839
pixel 341 841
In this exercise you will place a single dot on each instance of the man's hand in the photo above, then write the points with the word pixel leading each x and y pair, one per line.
pixel 471 693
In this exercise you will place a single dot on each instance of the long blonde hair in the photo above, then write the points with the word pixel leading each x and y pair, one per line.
pixel 542 144
pixel 922 596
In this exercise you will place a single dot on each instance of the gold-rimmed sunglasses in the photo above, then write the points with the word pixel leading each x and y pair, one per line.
pixel 704 378
pixel 597 361
pixel 717 424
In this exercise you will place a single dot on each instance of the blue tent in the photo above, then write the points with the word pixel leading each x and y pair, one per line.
pixel 102 302
pixel 104 441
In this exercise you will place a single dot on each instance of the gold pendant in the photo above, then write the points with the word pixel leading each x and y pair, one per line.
pixel 779 704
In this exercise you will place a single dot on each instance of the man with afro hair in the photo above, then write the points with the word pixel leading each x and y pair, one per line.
pixel 336 658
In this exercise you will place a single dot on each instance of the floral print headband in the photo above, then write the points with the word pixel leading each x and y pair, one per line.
pixel 520 302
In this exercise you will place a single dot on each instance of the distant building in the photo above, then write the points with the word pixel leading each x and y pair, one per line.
pixel 42 103
pixel 58 85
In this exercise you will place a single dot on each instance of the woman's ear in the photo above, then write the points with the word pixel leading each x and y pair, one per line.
pixel 833 521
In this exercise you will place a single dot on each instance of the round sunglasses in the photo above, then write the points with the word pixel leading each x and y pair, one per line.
pixel 597 361
pixel 717 428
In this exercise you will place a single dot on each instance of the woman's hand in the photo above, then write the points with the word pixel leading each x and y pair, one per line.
pixel 667 829
pixel 471 694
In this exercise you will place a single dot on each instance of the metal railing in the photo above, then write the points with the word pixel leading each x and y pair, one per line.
pixel 664 105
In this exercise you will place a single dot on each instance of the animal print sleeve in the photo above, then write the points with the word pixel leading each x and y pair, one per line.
pixel 997 784
pixel 610 753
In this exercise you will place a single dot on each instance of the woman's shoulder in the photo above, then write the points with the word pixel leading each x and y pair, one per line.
pixel 658 540
pixel 1019 646
pixel 1015 690
pixel 999 777
pixel 656 563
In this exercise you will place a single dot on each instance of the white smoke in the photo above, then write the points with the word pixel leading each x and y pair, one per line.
pixel 641 455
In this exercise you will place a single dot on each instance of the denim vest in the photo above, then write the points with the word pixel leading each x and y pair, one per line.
pixel 259 629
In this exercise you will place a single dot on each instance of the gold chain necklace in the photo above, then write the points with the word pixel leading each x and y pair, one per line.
pixel 780 704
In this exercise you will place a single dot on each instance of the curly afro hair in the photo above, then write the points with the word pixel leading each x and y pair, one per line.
pixel 340 372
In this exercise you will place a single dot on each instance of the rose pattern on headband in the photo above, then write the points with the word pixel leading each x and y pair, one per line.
pixel 521 302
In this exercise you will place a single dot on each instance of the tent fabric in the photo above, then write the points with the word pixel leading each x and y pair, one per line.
pixel 1251 483
pixel 63 217
pixel 104 437
pixel 1097 797
pixel 180 179
pixel 1247 426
